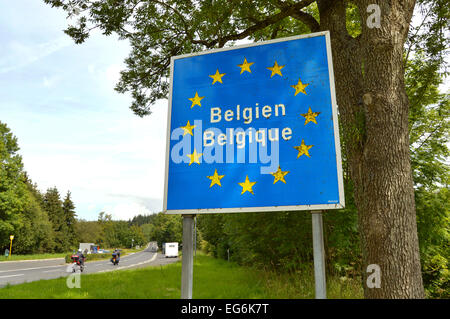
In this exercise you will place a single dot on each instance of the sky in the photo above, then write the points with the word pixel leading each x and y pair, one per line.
pixel 74 131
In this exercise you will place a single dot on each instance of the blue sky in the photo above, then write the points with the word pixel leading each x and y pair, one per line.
pixel 75 132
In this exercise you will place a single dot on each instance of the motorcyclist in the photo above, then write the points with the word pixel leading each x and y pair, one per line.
pixel 116 254
pixel 78 258
pixel 81 257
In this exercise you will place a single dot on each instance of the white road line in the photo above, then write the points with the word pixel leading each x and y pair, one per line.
pixel 141 263
pixel 11 276
pixel 12 270
pixel 54 270
pixel 28 260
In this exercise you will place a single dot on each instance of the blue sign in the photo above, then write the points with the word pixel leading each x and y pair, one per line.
pixel 254 128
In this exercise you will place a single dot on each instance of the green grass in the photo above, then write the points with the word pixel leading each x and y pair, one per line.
pixel 213 279
pixel 14 257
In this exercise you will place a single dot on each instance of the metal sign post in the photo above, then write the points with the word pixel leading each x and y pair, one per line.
pixel 187 266
pixel 319 255
pixel 195 236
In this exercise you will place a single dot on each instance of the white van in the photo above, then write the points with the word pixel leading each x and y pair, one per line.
pixel 171 250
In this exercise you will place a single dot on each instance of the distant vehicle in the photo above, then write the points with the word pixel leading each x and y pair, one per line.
pixel 171 250
pixel 89 247
pixel 153 246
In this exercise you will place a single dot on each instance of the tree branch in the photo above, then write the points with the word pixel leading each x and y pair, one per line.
pixel 413 37
pixel 307 19
pixel 287 11
pixel 300 15
pixel 431 134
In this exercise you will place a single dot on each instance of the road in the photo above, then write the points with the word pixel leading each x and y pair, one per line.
pixel 16 272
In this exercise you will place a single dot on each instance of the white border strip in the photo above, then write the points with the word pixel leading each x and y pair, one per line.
pixel 334 107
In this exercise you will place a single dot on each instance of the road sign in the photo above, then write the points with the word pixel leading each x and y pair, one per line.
pixel 254 128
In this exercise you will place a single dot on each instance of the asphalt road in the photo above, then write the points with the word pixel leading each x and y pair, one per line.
pixel 16 272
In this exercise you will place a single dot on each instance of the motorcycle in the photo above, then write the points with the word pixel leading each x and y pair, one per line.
pixel 115 259
pixel 77 265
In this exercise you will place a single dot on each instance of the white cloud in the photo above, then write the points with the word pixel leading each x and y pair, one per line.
pixel 112 74
pixel 96 157
pixel 19 55
pixel 126 210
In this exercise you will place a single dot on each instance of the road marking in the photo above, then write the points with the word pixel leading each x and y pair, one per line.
pixel 28 260
pixel 11 276
pixel 12 270
pixel 54 270
pixel 141 263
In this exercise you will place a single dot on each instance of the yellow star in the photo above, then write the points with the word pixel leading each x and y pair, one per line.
pixel 310 116
pixel 217 77
pixel 247 186
pixel 279 175
pixel 245 66
pixel 300 87
pixel 194 157
pixel 188 128
pixel 196 100
pixel 303 149
pixel 276 69
pixel 215 179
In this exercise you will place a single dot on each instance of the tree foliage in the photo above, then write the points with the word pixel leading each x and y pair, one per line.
pixel 164 228
pixel 21 210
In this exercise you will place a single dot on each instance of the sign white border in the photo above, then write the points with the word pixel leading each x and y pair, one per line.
pixel 337 143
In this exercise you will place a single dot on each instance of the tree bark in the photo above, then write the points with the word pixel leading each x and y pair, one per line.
pixel 373 107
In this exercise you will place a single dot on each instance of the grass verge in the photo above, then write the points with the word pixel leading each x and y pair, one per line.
pixel 213 279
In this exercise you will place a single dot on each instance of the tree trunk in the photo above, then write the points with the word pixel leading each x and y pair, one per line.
pixel 373 107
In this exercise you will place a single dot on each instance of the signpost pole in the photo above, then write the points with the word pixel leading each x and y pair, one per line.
pixel 195 236
pixel 10 245
pixel 319 255
pixel 187 263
